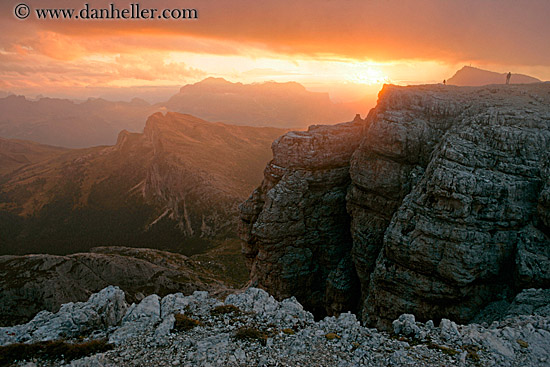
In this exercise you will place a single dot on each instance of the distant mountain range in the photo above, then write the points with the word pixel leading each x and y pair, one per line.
pixel 66 123
pixel 175 186
pixel 471 76
pixel 265 104
pixel 62 122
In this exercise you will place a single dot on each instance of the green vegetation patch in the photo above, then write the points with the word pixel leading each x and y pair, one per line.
pixel 522 343
pixel 471 351
pixel 332 336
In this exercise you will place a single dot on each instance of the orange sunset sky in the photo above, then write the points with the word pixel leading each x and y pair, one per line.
pixel 344 47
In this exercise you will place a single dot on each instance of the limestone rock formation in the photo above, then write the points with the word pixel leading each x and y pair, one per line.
pixel 462 230
pixel 281 333
pixel 448 204
pixel 295 224
pixel 101 311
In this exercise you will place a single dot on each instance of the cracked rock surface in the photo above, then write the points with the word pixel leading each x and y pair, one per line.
pixel 146 334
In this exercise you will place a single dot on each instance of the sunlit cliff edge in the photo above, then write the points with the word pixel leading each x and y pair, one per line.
pixel 436 204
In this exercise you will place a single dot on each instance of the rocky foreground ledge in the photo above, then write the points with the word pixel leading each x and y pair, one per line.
pixel 253 329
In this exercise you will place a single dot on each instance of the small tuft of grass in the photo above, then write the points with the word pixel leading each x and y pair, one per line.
pixel 185 323
pixel 225 309
pixel 252 334
pixel 51 350
pixel 522 343
pixel 445 350
pixel 332 336
pixel 471 351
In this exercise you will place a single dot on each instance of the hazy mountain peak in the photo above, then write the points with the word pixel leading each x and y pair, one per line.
pixel 215 80
pixel 139 102
pixel 270 103
pixel 15 97
pixel 472 76
pixel 172 120
pixel 210 82
pixel 63 122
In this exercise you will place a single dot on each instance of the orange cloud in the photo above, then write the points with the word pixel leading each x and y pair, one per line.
pixel 496 31
pixel 57 53
pixel 35 68
pixel 57 46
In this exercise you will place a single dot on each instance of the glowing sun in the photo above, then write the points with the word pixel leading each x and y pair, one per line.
pixel 369 76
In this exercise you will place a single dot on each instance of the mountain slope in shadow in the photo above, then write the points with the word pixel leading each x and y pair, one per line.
pixel 175 186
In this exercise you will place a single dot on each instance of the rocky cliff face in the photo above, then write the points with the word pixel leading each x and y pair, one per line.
pixel 295 224
pixel 448 205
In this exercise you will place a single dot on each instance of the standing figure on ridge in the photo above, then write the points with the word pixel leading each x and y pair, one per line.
pixel 508 76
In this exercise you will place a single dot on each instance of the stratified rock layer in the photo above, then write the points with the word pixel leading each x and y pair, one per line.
pixel 296 226
pixel 469 221
pixel 449 204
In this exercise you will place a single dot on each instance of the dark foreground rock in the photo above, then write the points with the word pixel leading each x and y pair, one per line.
pixel 447 206
pixel 32 283
pixel 283 334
